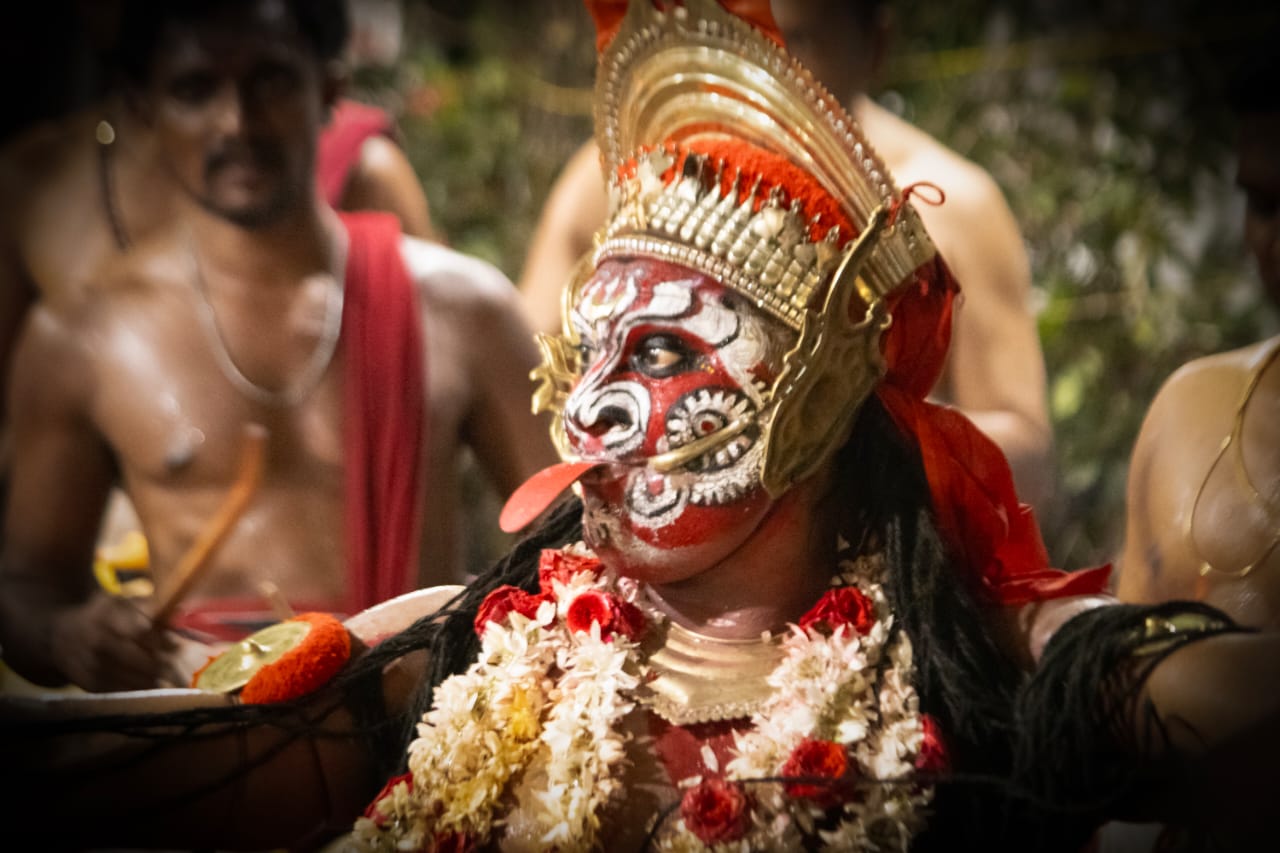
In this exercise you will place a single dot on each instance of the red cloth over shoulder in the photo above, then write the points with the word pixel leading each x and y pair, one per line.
pixel 339 143
pixel 384 418
pixel 975 503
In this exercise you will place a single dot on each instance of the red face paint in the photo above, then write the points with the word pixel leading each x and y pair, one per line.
pixel 670 356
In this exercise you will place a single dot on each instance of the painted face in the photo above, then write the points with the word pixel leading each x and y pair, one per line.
pixel 236 101
pixel 670 356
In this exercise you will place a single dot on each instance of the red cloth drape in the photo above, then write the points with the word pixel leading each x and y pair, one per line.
pixel 974 499
pixel 384 413
pixel 339 143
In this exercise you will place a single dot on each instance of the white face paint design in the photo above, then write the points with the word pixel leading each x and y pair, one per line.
pixel 668 360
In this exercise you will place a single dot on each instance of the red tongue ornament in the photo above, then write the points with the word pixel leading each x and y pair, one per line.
pixel 536 493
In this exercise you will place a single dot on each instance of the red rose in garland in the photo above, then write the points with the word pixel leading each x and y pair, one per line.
pixel 715 810
pixel 372 811
pixel 498 604
pixel 932 757
pixel 843 605
pixel 614 615
pixel 818 759
pixel 562 565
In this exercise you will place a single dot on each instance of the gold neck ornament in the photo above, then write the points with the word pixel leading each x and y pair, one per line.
pixel 696 678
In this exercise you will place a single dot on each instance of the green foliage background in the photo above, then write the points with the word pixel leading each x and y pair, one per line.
pixel 1103 122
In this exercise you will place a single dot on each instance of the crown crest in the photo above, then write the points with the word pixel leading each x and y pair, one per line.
pixel 670 82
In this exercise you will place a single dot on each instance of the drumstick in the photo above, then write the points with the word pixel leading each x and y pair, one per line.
pixel 253 445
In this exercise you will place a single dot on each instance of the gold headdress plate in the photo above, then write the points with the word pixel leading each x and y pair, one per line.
pixel 760 247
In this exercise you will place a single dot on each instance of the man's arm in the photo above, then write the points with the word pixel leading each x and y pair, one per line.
pixel 1164 713
pixel 17 290
pixel 575 209
pixel 1024 630
pixel 1217 705
pixel 1140 559
pixel 491 351
pixel 55 625
pixel 384 179
pixel 1183 708
pixel 16 296
pixel 995 372
pixel 509 441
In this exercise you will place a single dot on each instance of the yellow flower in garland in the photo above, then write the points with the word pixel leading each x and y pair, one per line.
pixel 523 722
pixel 481 731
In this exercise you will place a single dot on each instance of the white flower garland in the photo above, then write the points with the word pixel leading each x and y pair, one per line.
pixel 524 747
pixel 825 688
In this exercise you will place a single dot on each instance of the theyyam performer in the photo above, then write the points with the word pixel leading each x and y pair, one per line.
pixel 788 605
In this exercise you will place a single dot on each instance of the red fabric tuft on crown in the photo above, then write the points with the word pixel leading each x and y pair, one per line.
pixel 974 499
pixel 772 170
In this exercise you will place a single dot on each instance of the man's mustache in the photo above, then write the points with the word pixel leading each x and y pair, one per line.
pixel 262 155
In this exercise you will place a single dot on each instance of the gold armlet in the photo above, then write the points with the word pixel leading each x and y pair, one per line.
pixel 1159 634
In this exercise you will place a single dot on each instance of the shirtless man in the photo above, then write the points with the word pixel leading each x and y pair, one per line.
pixel 996 370
pixel 80 190
pixel 1204 480
pixel 228 319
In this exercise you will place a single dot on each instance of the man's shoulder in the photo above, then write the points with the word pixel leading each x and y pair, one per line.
pixel 1228 370
pixel 41 159
pixel 124 285
pixel 53 357
pixel 969 195
pixel 914 155
pixel 46 143
pixel 1199 399
pixel 969 188
pixel 442 273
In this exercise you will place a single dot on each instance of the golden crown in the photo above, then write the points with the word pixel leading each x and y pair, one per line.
pixel 677 83
pixel 693 72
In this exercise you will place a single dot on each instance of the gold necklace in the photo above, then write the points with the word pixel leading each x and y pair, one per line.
pixel 1267 502
pixel 696 678
pixel 317 365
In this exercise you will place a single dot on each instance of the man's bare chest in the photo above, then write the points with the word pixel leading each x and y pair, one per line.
pixel 172 416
